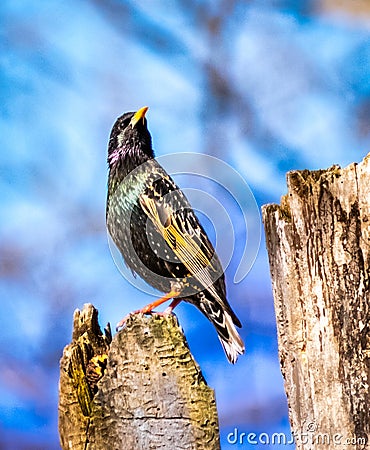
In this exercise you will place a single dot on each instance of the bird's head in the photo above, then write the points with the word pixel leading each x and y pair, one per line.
pixel 130 138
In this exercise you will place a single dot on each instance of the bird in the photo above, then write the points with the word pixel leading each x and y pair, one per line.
pixel 159 236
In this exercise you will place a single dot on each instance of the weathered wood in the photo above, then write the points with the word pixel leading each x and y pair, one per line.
pixel 318 241
pixel 151 394
pixel 81 366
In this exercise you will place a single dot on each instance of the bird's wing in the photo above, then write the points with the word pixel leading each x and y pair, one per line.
pixel 173 217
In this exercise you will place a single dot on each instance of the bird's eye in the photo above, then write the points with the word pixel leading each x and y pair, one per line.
pixel 125 124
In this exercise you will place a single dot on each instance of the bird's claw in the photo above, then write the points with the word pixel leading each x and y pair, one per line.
pixel 148 309
pixel 143 311
pixel 123 321
pixel 167 312
pixel 121 324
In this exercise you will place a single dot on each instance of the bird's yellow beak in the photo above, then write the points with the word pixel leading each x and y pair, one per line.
pixel 140 114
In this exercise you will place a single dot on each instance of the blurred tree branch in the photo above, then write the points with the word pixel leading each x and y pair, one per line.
pixel 222 97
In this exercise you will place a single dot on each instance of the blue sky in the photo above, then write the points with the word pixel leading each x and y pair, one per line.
pixel 265 86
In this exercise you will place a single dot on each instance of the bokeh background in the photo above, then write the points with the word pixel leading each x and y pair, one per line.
pixel 265 85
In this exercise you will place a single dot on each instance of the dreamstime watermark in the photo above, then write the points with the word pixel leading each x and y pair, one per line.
pixel 309 436
pixel 220 194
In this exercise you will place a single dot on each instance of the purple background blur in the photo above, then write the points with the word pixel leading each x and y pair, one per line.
pixel 267 86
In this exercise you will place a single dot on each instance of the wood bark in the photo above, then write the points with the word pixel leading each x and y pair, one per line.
pixel 318 242
pixel 140 390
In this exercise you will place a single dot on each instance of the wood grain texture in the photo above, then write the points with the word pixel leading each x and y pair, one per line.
pixel 318 243
pixel 152 394
pixel 81 367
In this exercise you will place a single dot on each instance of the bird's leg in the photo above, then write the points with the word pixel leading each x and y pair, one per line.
pixel 170 308
pixel 148 309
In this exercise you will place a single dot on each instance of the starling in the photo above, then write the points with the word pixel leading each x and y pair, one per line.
pixel 158 234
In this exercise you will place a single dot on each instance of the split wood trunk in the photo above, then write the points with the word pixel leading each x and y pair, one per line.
pixel 318 242
pixel 140 390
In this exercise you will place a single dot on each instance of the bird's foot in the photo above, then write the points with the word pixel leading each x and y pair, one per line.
pixel 168 311
pixel 148 309
pixel 123 321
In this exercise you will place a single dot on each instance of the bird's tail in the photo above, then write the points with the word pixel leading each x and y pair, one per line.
pixel 230 339
pixel 225 327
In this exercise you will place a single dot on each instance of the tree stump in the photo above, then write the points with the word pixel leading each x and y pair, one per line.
pixel 318 241
pixel 140 390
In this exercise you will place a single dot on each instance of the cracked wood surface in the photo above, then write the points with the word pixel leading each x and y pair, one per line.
pixel 318 242
pixel 145 391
